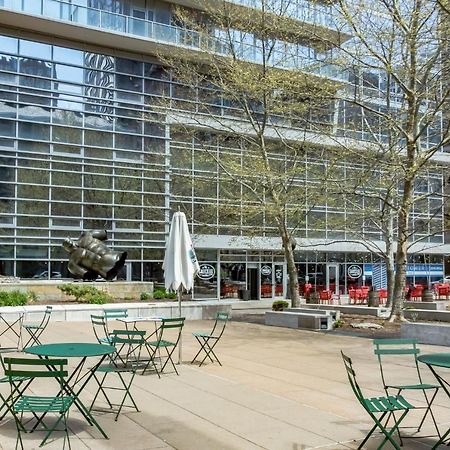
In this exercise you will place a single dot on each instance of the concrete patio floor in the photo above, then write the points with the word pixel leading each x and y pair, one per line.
pixel 277 389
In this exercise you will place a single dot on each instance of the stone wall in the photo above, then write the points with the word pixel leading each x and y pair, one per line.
pixel 48 290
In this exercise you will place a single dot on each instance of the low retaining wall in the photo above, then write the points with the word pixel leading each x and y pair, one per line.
pixel 336 315
pixel 437 305
pixel 82 313
pixel 427 333
pixel 353 309
pixel 47 290
pixel 299 320
pixel 426 314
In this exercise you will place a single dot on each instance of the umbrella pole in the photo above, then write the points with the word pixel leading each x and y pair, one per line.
pixel 179 315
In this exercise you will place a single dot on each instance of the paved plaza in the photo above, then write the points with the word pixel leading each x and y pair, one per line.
pixel 278 389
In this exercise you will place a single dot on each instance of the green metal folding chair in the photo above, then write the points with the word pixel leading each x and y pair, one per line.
pixel 36 329
pixel 397 347
pixel 378 406
pixel 208 340
pixel 18 386
pixel 118 313
pixel 168 338
pixel 39 406
pixel 100 324
pixel 100 328
pixel 125 360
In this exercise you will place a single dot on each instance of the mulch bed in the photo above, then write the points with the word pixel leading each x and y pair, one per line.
pixel 389 330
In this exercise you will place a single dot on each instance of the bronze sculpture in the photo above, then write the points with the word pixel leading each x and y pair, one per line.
pixel 90 257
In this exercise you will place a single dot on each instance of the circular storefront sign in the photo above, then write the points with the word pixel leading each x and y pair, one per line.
pixel 266 270
pixel 354 271
pixel 206 272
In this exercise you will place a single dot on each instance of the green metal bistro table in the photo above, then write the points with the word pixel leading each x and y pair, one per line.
pixel 75 383
pixel 433 361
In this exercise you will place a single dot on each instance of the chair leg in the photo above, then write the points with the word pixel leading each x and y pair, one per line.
pixel 429 410
pixel 127 394
pixel 169 358
pixel 100 389
pixel 210 350
pixel 202 347
pixel 388 435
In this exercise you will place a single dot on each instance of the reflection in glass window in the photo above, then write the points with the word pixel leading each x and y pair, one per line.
pixel 7 128
pixel 35 49
pixel 34 131
pixel 68 55
pixel 8 44
pixel 129 66
pixel 8 63
pixel 34 113
pixel 69 73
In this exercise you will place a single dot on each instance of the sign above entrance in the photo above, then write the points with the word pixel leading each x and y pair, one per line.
pixel 354 271
pixel 206 272
pixel 266 270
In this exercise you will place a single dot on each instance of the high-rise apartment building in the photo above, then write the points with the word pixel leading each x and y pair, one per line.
pixel 82 147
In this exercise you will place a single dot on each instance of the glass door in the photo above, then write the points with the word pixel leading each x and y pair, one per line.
pixel 332 278
pixel 279 280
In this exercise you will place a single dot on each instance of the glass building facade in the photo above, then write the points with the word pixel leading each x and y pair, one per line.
pixel 84 145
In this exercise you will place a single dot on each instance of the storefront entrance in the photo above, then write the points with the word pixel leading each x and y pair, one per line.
pixel 332 278
pixel 252 282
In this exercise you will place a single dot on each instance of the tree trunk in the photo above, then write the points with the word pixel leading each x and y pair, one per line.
pixel 288 246
pixel 389 260
pixel 402 253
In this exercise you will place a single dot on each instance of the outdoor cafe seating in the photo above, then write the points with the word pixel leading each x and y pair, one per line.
pixel 358 295
pixel 442 291
pixel 328 297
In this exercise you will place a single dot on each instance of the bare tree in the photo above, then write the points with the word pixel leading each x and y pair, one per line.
pixel 265 105
pixel 397 95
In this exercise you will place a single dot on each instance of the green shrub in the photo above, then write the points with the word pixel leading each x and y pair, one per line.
pixel 85 294
pixel 338 323
pixel 159 294
pixel 145 296
pixel 279 305
pixel 14 298
pixel 98 298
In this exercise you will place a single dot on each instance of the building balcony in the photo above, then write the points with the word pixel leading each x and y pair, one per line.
pixel 51 15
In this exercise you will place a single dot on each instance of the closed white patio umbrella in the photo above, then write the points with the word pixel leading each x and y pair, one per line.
pixel 180 262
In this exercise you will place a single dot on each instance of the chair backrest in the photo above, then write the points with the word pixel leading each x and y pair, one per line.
pixel 395 347
pixel 352 379
pixel 100 328
pixel 46 317
pixel 130 341
pixel 220 324
pixel 115 313
pixel 175 323
pixel 35 368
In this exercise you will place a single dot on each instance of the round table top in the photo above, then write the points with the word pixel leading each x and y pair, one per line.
pixel 436 359
pixel 70 349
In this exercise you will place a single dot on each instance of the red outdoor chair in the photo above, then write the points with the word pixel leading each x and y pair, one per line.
pixel 416 293
pixel 382 295
pixel 443 290
pixel 352 295
pixel 325 296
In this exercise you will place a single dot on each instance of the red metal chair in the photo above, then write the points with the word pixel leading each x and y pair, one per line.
pixel 443 290
pixel 307 289
pixel 325 296
pixel 416 293
pixel 382 295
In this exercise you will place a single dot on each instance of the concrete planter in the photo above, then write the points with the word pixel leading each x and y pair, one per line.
pixel 427 333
